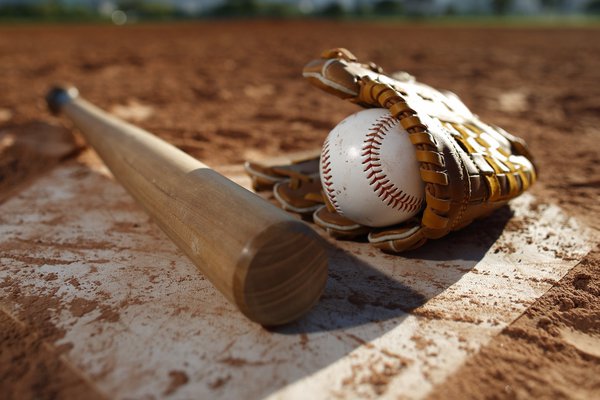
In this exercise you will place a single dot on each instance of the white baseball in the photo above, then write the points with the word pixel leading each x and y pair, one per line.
pixel 369 170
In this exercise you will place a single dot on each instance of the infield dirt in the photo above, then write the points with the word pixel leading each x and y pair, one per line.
pixel 224 91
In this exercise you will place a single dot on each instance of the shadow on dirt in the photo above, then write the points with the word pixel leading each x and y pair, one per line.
pixel 29 150
pixel 361 291
pixel 366 299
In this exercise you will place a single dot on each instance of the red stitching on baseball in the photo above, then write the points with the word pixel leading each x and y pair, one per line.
pixel 327 177
pixel 381 184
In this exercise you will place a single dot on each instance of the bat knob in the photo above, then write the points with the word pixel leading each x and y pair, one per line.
pixel 58 96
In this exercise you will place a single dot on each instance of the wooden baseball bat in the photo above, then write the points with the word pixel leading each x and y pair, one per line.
pixel 271 266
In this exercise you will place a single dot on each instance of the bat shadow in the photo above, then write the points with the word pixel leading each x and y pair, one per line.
pixel 364 300
pixel 360 291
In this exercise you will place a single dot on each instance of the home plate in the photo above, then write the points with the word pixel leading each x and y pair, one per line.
pixel 137 320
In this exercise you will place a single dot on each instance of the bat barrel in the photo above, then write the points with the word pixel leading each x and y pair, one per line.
pixel 271 266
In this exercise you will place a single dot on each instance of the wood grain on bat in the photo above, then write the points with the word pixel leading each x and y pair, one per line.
pixel 271 266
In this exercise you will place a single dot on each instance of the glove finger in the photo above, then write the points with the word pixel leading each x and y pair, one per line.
pixel 338 226
pixel 302 197
pixel 399 238
pixel 266 176
pixel 263 178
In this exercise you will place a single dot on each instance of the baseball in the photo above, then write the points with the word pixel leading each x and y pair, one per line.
pixel 369 170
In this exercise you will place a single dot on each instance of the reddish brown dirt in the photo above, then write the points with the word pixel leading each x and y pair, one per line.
pixel 31 367
pixel 221 91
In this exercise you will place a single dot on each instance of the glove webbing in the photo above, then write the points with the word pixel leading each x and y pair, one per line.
pixel 432 164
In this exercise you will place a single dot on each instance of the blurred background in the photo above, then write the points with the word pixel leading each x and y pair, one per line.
pixel 222 80
pixel 122 12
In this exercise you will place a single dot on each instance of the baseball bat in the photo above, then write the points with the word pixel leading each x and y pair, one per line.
pixel 271 266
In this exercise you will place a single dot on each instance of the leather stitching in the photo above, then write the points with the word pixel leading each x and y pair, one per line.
pixel 327 178
pixel 386 190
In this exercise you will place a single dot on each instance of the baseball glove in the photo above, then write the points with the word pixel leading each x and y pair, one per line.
pixel 469 168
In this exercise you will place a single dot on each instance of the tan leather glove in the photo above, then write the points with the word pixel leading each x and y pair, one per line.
pixel 469 168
